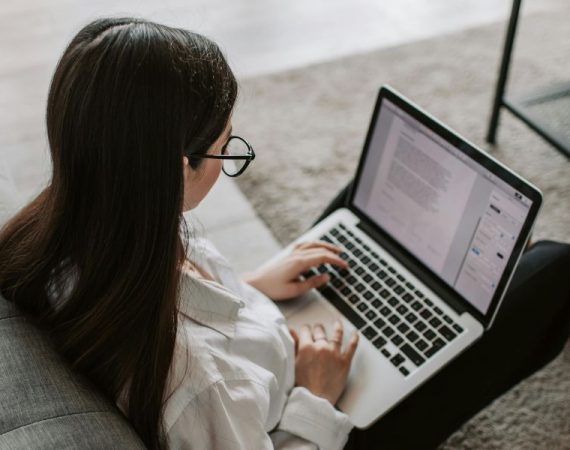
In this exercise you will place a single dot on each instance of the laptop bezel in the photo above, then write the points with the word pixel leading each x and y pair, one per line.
pixel 472 151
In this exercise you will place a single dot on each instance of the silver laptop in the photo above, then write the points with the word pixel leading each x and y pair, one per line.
pixel 433 230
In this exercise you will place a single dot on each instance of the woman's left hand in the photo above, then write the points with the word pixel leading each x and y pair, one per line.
pixel 281 279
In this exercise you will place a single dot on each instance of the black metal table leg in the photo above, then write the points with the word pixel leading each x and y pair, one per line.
pixel 503 72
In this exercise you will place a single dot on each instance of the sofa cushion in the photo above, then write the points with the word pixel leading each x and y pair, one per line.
pixel 43 403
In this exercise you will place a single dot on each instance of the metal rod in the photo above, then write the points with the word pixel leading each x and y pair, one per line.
pixel 503 72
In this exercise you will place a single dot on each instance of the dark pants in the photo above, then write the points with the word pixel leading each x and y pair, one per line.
pixel 531 328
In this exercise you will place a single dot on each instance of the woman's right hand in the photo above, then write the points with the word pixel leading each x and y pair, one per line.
pixel 320 364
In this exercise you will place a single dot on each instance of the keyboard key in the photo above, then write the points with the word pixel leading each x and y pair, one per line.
pixel 357 252
pixel 382 275
pixel 416 306
pixel 388 331
pixel 457 328
pixel 384 293
pixel 385 311
pixel 437 346
pixel 367 278
pixel 373 267
pixel 414 356
pixel 429 334
pixel 385 352
pixel 401 278
pixel 408 297
pixel 404 371
pixel 435 322
pixel 370 333
pixel 393 301
pixel 403 328
pixel 362 306
pixel 399 289
pixel 376 286
pixel 345 291
pixel 411 317
pixel 376 303
pixel 394 319
pixel 353 299
pixel 447 319
pixel 421 345
pixel 447 333
pixel 426 314
pixel 402 309
pixel 384 263
pixel 397 359
pixel 428 302
pixel 380 323
pixel 343 307
pixel 397 339
pixel 437 310
pixel 419 293
pixel 390 282
pixel 359 270
pixel 412 336
pixel 379 342
pixel 410 286
pixel 359 287
pixel 368 295
pixel 371 315
pixel 351 280
pixel 391 270
pixel 334 232
pixel 420 326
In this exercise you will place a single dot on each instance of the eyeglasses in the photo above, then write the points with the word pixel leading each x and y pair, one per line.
pixel 236 153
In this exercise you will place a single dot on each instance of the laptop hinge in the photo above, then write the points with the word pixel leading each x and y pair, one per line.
pixel 443 291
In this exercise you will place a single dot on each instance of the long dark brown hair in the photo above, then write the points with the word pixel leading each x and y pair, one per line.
pixel 128 98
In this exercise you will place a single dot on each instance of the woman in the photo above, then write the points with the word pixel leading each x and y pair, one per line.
pixel 137 114
pixel 139 125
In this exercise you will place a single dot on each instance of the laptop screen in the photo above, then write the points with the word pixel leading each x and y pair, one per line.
pixel 453 214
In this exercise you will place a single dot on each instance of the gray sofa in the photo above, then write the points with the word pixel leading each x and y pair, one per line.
pixel 43 404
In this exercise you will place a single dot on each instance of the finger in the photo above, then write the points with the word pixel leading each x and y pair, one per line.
pixel 316 258
pixel 338 332
pixel 319 244
pixel 305 336
pixel 300 287
pixel 319 332
pixel 351 347
pixel 295 337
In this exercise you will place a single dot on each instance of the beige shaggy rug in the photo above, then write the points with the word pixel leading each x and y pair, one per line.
pixel 308 126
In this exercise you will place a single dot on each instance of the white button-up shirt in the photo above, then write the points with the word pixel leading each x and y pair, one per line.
pixel 233 373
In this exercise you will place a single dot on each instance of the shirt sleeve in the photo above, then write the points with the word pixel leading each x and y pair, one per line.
pixel 315 420
pixel 231 414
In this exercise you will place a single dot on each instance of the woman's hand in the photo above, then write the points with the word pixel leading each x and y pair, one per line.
pixel 320 364
pixel 281 281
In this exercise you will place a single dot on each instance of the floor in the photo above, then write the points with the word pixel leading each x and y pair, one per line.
pixel 259 37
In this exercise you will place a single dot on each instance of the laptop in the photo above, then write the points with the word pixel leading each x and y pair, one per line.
pixel 433 230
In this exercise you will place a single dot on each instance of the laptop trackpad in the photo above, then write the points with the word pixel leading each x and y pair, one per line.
pixel 371 377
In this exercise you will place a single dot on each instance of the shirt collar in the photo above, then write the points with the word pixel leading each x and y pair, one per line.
pixel 210 304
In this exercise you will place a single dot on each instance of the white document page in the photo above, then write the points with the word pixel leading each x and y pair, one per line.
pixel 420 193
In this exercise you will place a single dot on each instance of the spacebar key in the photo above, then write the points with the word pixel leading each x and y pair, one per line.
pixel 412 354
pixel 343 307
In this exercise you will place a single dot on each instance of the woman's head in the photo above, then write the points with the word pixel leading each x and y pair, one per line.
pixel 128 100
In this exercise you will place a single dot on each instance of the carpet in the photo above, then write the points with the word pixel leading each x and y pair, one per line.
pixel 308 126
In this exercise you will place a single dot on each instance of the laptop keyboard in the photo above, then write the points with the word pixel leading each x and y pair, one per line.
pixel 400 321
